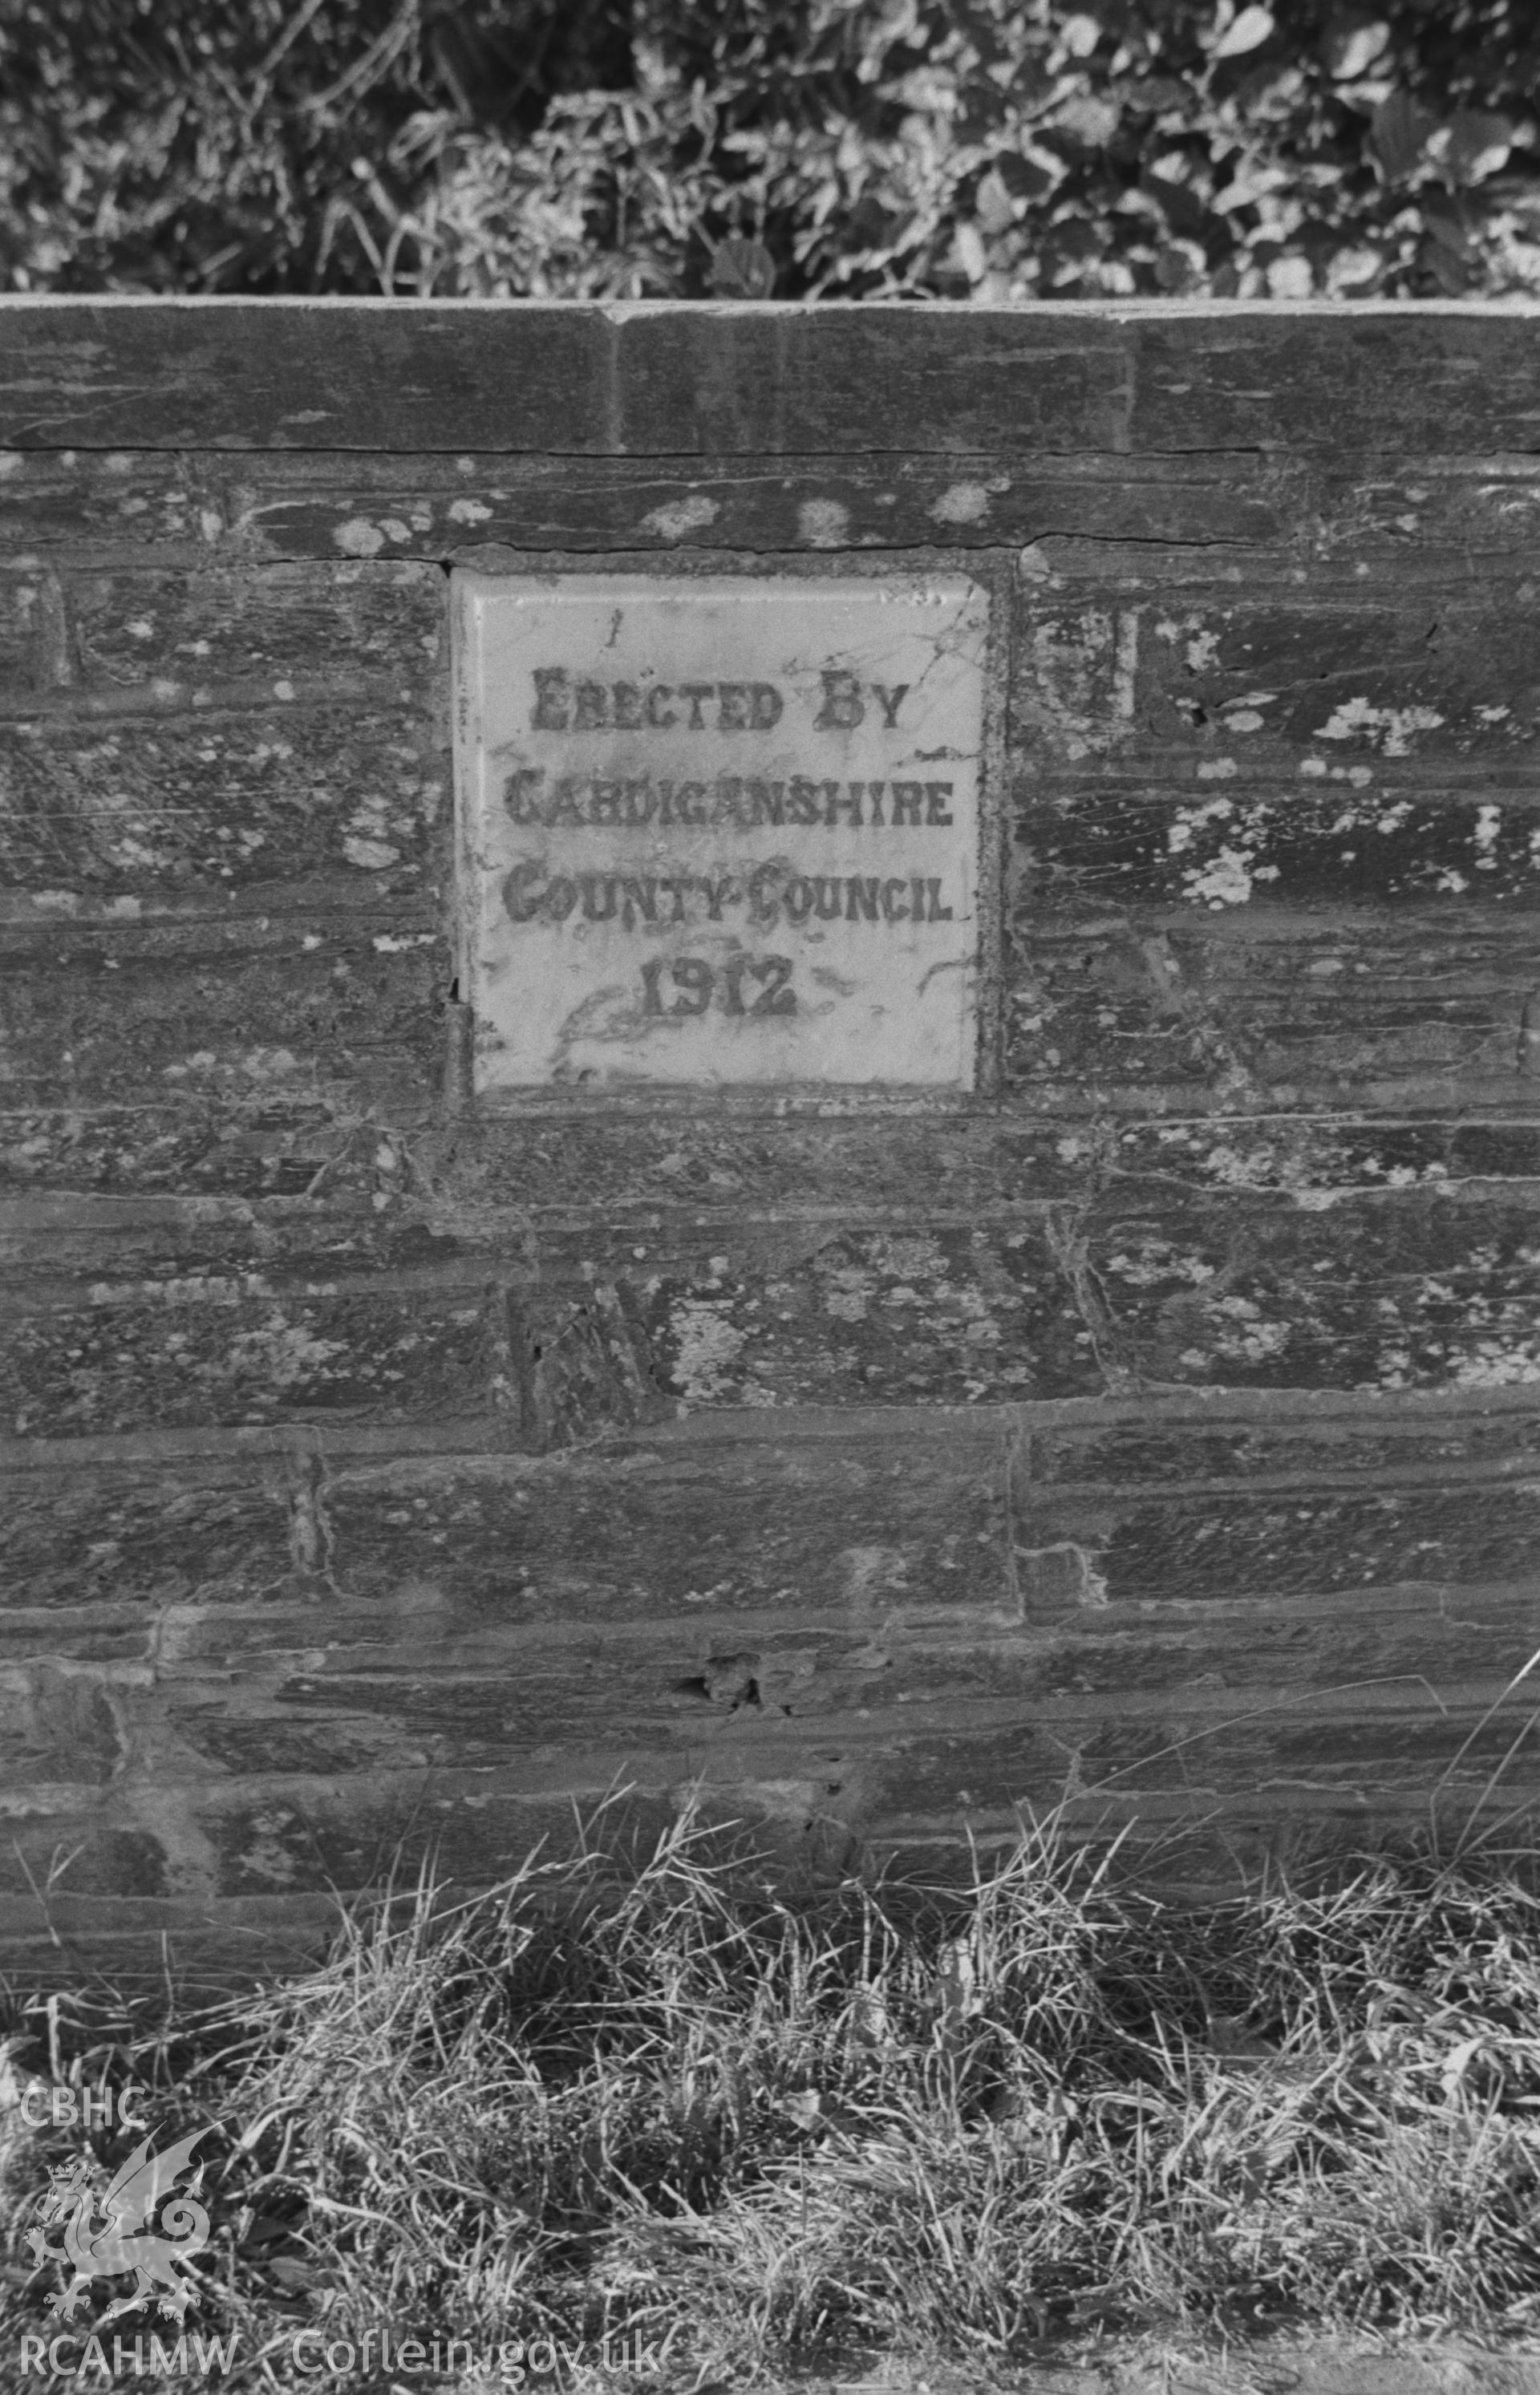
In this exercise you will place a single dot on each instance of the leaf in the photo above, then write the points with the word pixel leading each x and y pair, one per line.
pixel 1088 120
pixel 1028 178
pixel 1252 27
pixel 1080 34
pixel 1290 277
pixel 290 2272
pixel 1180 266
pixel 1399 130
pixel 1478 144
pixel 1147 95
pixel 1445 228
pixel 1457 2062
pixel 993 204
pixel 1351 272
pixel 1447 268
pixel 742 270
pixel 1351 49
pixel 1187 215
pixel 970 252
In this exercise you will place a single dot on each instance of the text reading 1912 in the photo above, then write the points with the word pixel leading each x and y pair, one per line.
pixel 626 748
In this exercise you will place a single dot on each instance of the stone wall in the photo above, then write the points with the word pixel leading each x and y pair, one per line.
pixel 1153 1424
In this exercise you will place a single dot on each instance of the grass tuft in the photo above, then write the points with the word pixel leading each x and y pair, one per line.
pixel 664 2096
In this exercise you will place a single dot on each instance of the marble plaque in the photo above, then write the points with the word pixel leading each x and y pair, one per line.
pixel 719 831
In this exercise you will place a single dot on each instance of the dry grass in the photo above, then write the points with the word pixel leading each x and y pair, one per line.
pixel 763 2130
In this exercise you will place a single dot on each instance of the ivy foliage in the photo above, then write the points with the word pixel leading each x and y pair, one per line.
pixel 955 149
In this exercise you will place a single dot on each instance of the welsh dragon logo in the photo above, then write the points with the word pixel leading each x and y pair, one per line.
pixel 100 2230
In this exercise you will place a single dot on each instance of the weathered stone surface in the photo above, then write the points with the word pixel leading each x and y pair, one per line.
pixel 214 636
pixel 663 379
pixel 207 1349
pixel 136 1543
pixel 152 1009
pixel 177 739
pixel 317 507
pixel 1426 518
pixel 1145 1421
pixel 235 1136
pixel 1273 1011
pixel 853 1625
pixel 264 1317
